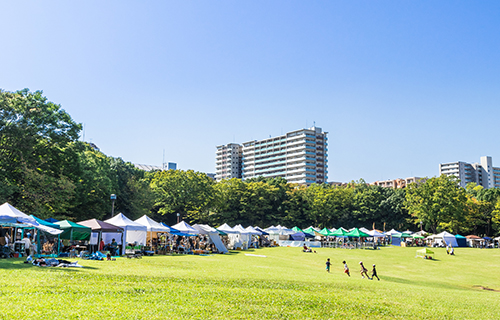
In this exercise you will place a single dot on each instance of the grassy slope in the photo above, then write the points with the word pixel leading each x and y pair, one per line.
pixel 287 284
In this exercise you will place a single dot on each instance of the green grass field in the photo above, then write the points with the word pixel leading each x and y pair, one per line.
pixel 286 284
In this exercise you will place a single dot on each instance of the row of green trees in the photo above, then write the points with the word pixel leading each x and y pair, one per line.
pixel 46 171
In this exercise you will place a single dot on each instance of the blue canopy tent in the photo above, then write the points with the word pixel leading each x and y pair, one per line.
pixel 51 220
pixel 299 236
pixel 47 224
pixel 461 240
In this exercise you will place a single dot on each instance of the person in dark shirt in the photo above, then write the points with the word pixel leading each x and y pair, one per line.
pixel 328 265
pixel 374 273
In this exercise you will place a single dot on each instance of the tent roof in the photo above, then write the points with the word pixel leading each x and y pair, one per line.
pixel 152 225
pixel 259 229
pixel 185 228
pixel 326 232
pixel 121 220
pixel 66 224
pixel 471 236
pixel 45 223
pixel 240 229
pixel 99 225
pixel 357 233
pixel 374 233
pixel 459 236
pixel 74 231
pixel 205 229
pixel 392 232
pixel 445 234
pixel 9 214
pixel 226 229
pixel 364 230
pixel 341 232
pixel 252 230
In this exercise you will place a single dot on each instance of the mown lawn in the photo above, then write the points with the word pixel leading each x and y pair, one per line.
pixel 286 284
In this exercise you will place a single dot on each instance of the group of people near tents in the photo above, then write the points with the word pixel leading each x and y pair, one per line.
pixel 21 234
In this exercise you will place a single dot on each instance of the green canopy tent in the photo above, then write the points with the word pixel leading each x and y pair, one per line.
pixel 297 229
pixel 313 232
pixel 74 231
pixel 326 232
pixel 356 233
pixel 425 253
pixel 416 236
pixel 340 232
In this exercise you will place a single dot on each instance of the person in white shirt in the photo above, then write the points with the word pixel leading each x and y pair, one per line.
pixel 27 243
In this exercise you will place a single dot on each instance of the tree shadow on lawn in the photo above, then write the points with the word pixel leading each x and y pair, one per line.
pixel 17 264
pixel 433 284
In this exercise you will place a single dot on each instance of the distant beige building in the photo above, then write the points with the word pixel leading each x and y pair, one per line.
pixel 397 183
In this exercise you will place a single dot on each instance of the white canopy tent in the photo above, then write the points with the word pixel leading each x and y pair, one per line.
pixel 227 229
pixel 447 237
pixel 246 236
pixel 213 234
pixel 364 230
pixel 134 232
pixel 10 214
pixel 253 231
pixel 374 233
pixel 235 237
pixel 185 228
pixel 393 233
pixel 153 227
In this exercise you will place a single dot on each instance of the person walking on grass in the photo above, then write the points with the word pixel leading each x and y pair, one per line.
pixel 346 269
pixel 363 270
pixel 328 265
pixel 374 273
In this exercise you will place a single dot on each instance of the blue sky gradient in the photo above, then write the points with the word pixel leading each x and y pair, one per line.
pixel 400 86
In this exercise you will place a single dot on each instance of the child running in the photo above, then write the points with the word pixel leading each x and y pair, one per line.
pixel 328 265
pixel 346 268
pixel 363 270
pixel 374 273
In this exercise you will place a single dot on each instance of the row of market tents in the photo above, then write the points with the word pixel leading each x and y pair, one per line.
pixel 142 230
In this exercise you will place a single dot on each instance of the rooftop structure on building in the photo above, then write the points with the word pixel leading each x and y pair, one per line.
pixel 299 156
pixel 482 173
pixel 166 166
pixel 228 161
pixel 398 183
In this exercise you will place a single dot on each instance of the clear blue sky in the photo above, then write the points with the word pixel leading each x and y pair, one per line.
pixel 400 86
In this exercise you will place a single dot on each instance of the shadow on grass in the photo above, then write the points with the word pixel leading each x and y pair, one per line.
pixel 18 264
pixel 434 284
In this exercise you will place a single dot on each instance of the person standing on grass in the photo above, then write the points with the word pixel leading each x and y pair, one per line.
pixel 374 273
pixel 363 270
pixel 346 269
pixel 328 265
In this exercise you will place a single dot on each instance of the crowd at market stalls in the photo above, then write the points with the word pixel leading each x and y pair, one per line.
pixel 24 235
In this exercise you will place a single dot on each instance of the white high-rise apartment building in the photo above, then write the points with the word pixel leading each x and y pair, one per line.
pixel 299 156
pixel 228 161
pixel 483 173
